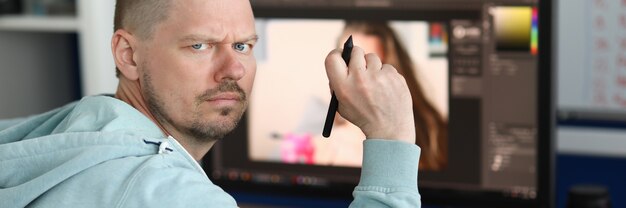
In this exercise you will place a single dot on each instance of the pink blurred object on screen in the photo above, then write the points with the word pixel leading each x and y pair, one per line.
pixel 297 149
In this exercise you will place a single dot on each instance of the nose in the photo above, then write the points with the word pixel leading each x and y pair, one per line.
pixel 229 66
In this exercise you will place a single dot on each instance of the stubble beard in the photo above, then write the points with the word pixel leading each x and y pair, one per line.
pixel 199 128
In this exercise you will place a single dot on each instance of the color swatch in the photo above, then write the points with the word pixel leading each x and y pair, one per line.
pixel 513 27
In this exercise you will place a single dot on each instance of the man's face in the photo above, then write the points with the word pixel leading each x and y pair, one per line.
pixel 197 71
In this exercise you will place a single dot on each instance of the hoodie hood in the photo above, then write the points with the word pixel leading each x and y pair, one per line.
pixel 42 151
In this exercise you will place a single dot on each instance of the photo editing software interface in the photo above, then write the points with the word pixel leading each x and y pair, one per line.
pixel 473 79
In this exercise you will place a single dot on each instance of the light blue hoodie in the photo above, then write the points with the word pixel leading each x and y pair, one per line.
pixel 101 152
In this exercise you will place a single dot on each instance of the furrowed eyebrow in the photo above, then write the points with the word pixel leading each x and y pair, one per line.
pixel 252 38
pixel 198 38
pixel 201 38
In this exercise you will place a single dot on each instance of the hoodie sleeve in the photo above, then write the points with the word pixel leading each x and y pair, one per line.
pixel 388 176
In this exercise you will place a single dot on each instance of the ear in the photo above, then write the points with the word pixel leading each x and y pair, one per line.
pixel 123 46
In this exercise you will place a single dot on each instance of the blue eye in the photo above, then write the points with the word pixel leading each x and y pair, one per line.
pixel 200 46
pixel 241 47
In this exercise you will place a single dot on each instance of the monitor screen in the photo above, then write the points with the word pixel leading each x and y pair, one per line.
pixel 293 91
pixel 476 86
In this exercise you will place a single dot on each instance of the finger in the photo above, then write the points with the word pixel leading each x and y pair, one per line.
pixel 357 60
pixel 374 63
pixel 389 68
pixel 336 68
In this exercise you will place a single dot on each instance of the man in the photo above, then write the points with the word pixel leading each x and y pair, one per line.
pixel 186 70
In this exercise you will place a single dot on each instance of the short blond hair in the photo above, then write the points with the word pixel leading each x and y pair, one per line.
pixel 139 17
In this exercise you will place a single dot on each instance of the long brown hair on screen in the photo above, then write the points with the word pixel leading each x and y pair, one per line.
pixel 430 126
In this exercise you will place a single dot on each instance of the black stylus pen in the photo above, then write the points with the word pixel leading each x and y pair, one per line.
pixel 332 108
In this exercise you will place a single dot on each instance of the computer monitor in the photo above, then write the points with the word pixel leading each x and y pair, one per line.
pixel 479 73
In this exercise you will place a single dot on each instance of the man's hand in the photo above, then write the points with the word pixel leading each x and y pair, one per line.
pixel 372 95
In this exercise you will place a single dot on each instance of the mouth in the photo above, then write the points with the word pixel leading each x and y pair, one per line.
pixel 225 99
pixel 227 95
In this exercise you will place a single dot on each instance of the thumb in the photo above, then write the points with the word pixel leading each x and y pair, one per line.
pixel 336 68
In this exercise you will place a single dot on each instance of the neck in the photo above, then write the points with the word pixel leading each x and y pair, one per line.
pixel 130 92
